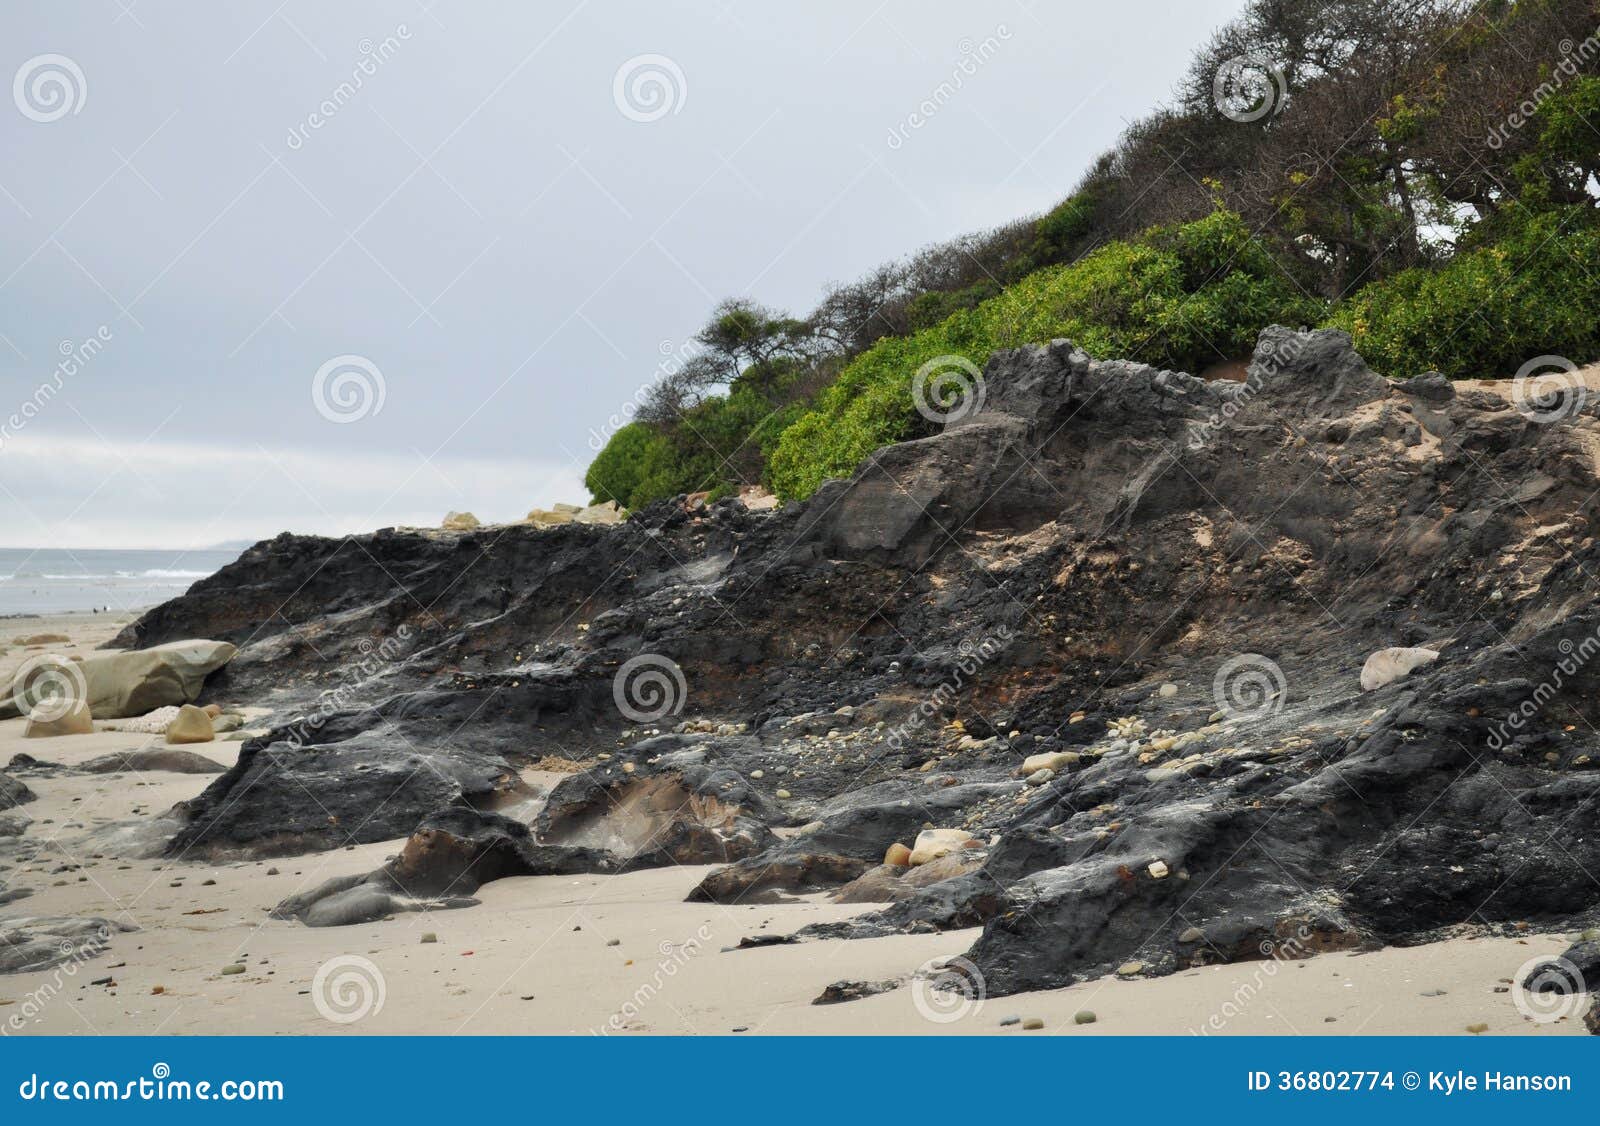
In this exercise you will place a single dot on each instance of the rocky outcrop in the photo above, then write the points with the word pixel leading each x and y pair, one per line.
pixel 1158 592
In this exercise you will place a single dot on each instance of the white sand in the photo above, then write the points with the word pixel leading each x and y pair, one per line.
pixel 548 939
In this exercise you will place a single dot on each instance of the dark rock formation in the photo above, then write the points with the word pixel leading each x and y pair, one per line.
pixel 1174 583
pixel 13 792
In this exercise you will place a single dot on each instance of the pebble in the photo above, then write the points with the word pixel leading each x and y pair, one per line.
pixel 1159 870
pixel 1477 1029
pixel 1033 1024
pixel 273 872
pixel 1006 1021
pixel 229 971
pixel 1193 934
pixel 783 795
pixel 1084 1016
pixel 1128 969
pixel 1167 691
pixel 614 942
pixel 758 774
pixel 429 936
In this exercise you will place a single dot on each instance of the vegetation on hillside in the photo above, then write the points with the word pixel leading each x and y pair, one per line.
pixel 1421 173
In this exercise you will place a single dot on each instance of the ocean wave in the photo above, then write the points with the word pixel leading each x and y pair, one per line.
pixel 115 576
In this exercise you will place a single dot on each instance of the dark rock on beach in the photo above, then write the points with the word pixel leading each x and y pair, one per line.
pixel 1112 625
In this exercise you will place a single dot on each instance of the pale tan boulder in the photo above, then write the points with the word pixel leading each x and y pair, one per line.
pixel 898 855
pixel 193 725
pixel 610 512
pixel 1056 761
pixel 934 843
pixel 569 509
pixel 757 499
pixel 460 522
pixel 44 723
pixel 547 518
pixel 118 684
pixel 1388 665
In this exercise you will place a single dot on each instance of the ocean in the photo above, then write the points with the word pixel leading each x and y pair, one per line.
pixel 50 581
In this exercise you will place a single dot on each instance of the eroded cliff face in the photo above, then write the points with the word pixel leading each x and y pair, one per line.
pixel 1168 584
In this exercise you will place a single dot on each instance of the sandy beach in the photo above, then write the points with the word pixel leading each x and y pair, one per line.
pixel 606 954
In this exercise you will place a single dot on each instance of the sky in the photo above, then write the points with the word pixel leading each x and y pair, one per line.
pixel 333 267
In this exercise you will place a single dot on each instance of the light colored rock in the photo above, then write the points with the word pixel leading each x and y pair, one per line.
pixel 44 724
pixel 1167 691
pixel 1388 665
pixel 119 684
pixel 898 855
pixel 609 512
pixel 44 639
pixel 934 843
pixel 460 522
pixel 1159 870
pixel 192 725
pixel 547 518
pixel 1040 777
pixel 757 499
pixel 1129 969
pixel 1050 760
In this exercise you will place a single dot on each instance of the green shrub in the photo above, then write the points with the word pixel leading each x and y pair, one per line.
pixel 1489 310
pixel 1180 298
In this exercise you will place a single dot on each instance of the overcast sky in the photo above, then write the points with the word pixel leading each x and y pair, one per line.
pixel 502 222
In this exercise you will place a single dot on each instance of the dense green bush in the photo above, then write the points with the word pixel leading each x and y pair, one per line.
pixel 1182 298
pixel 1488 310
